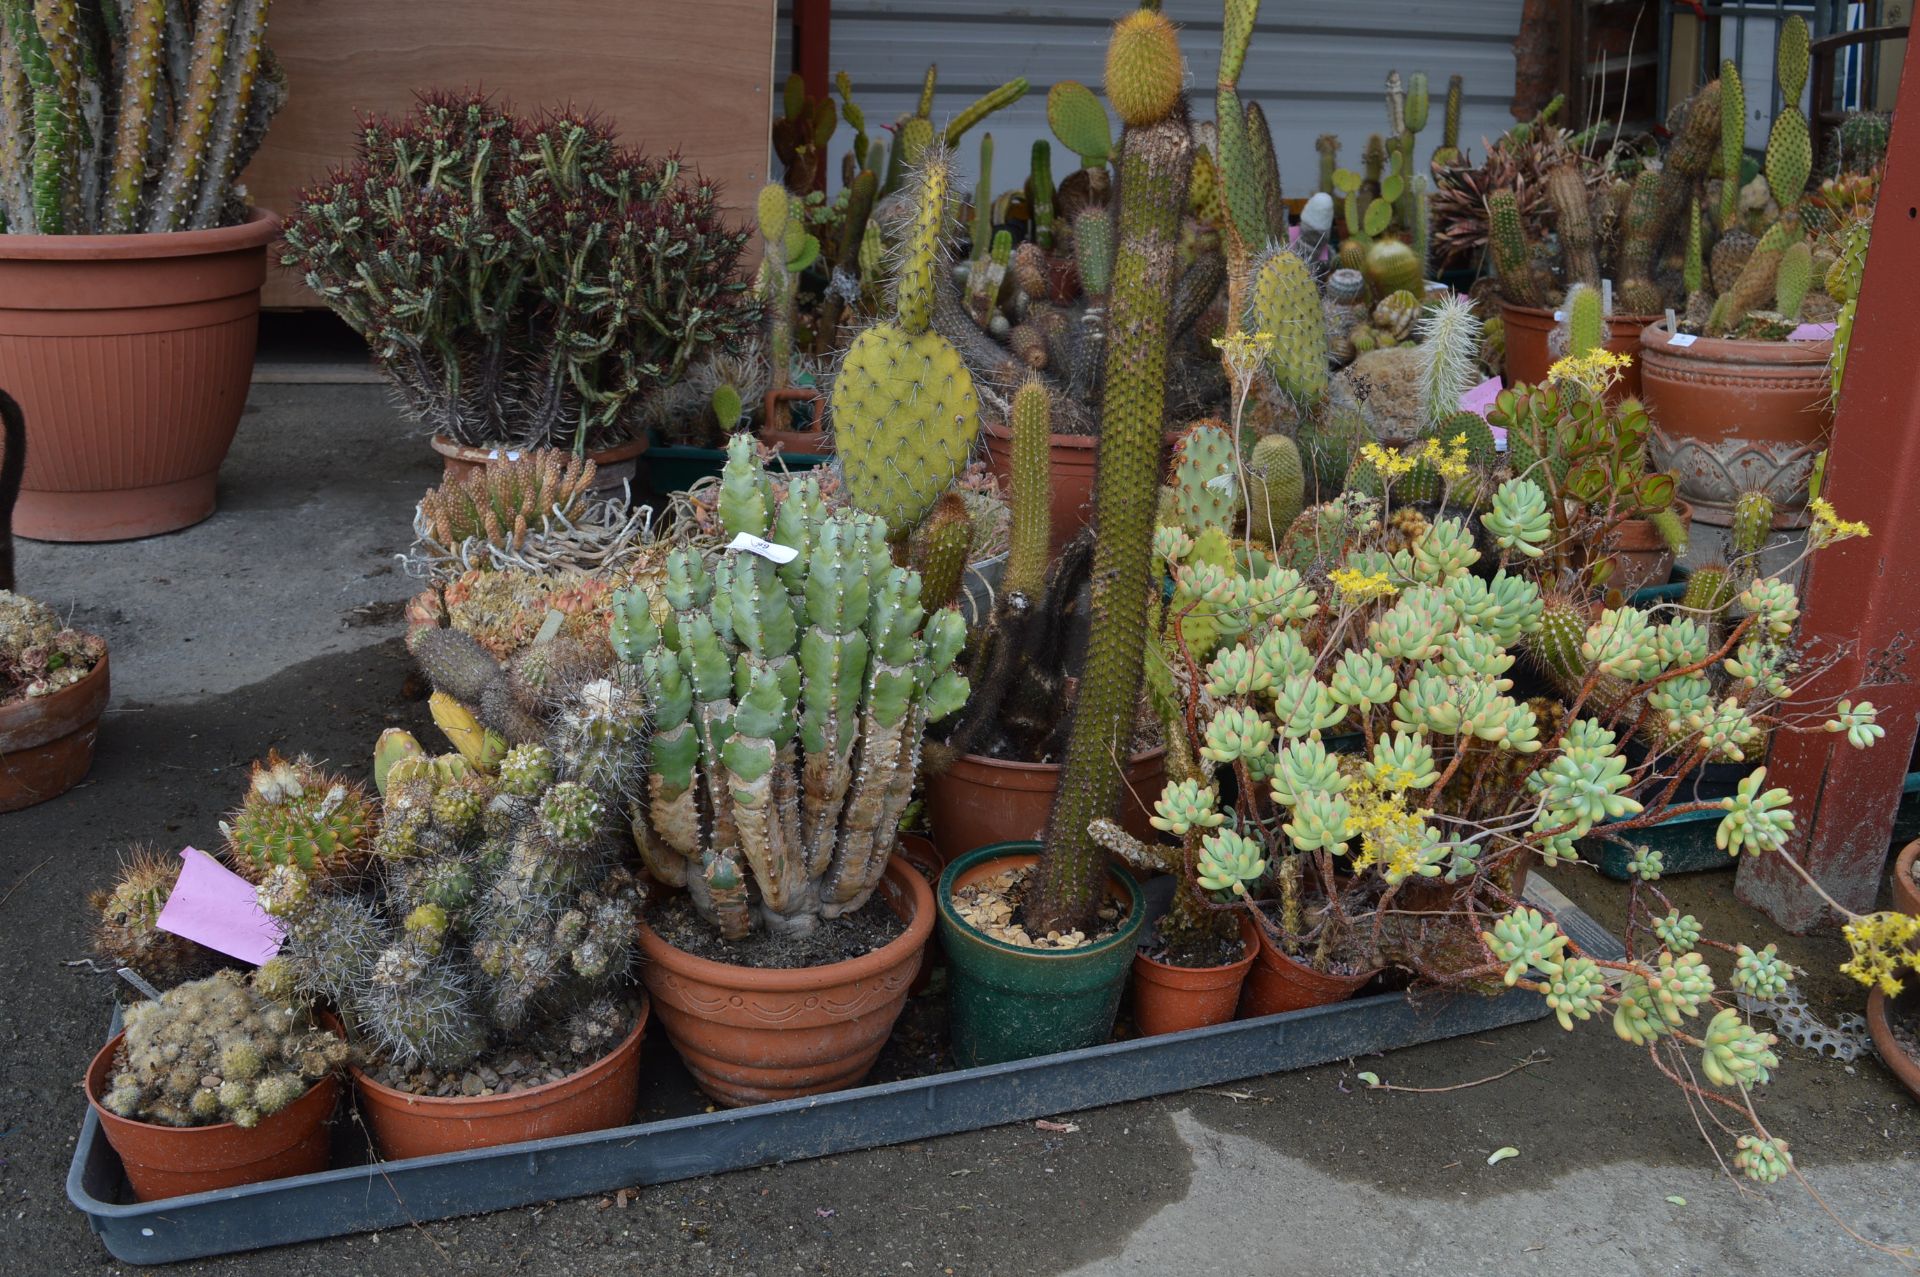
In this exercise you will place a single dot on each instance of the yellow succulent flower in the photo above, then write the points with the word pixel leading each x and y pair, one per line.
pixel 1357 587
pixel 1829 527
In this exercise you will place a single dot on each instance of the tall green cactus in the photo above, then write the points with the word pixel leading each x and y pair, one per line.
pixel 1032 490
pixel 1573 215
pixel 903 404
pixel 1512 253
pixel 1733 140
pixel 1040 193
pixel 1155 155
pixel 793 700
pixel 1789 142
pixel 1586 324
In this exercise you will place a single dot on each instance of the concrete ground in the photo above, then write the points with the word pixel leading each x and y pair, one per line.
pixel 276 624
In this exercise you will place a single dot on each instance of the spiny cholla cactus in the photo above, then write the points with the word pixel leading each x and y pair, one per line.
pixel 138 116
pixel 1388 778
pixel 217 1050
pixel 501 909
pixel 522 281
pixel 789 702
pixel 39 655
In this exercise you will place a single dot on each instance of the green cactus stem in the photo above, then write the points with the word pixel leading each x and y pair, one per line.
pixel 1032 486
pixel 1567 192
pixel 1283 301
pixel 1586 325
pixel 1733 141
pixel 1079 120
pixel 1154 161
pixel 193 130
pixel 1040 193
pixel 980 108
pixel 1512 253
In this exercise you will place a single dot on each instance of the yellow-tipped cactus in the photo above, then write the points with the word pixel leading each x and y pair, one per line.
pixel 1143 68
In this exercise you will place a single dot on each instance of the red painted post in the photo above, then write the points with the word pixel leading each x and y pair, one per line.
pixel 812 32
pixel 1862 597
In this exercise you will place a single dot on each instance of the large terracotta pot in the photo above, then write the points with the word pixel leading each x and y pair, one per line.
pixel 1277 982
pixel 603 1094
pixel 1906 892
pixel 1169 999
pixel 1736 416
pixel 1528 356
pixel 131 355
pixel 776 425
pixel 1070 461
pixel 1880 1025
pixel 980 800
pixel 46 742
pixel 172 1161
pixel 749 1035
pixel 612 466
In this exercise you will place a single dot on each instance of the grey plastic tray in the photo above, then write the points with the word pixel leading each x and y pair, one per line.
pixel 356 1199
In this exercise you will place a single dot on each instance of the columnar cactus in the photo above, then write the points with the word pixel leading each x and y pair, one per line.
pixel 1144 74
pixel 788 708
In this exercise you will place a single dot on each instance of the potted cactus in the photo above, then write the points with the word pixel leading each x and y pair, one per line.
pixel 215 1084
pixel 789 683
pixel 478 946
pixel 523 282
pixel 128 246
pixel 53 688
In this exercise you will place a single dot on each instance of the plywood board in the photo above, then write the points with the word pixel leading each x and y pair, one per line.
pixel 673 74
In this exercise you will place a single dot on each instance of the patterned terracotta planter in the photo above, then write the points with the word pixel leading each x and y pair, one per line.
pixel 749 1035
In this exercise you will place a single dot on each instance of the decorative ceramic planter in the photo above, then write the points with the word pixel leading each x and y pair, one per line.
pixel 613 466
pixel 1880 1025
pixel 749 1035
pixel 1641 556
pixel 1070 460
pixel 1277 982
pixel 1169 999
pixel 1736 416
pixel 981 800
pixel 601 1095
pixel 173 1161
pixel 1906 892
pixel 46 742
pixel 131 356
pixel 1009 1003
pixel 813 442
pixel 1529 358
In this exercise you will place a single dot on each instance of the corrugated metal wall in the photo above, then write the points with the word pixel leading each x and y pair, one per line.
pixel 1314 68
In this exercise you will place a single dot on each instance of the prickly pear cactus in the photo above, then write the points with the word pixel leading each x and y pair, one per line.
pixel 1284 303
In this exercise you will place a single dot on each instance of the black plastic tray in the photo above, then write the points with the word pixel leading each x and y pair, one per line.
pixel 356 1199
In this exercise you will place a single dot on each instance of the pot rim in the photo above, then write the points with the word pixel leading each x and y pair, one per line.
pixel 1127 936
pixel 902 948
pixel 1656 338
pixel 481 455
pixel 1002 764
pixel 1642 320
pixel 22 710
pixel 997 430
pixel 1249 938
pixel 261 227
pixel 606 1063
pixel 104 1057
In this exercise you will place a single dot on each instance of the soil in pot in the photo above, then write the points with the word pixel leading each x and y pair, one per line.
pixel 1280 982
pixel 1011 1001
pixel 172 1161
pixel 867 929
pixel 46 742
pixel 1191 986
pixel 407 1123
pixel 750 1034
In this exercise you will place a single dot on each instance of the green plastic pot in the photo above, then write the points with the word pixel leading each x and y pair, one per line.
pixel 1008 1003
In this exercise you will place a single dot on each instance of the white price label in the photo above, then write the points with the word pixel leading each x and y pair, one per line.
pixel 494 454
pixel 1682 339
pixel 765 549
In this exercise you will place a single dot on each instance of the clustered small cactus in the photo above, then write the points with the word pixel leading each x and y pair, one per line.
pixel 217 1050
pixel 38 654
pixel 299 815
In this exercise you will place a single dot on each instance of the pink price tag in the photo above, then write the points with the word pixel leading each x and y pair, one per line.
pixel 1480 399
pixel 1812 332
pixel 216 907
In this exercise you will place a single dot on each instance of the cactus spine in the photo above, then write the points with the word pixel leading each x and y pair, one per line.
pixel 1752 524
pixel 1156 152
pixel 1032 490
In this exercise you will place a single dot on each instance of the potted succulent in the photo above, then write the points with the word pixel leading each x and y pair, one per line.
pixel 478 946
pixel 788 684
pixel 130 263
pixel 1885 950
pixel 523 282
pixel 214 1084
pixel 54 685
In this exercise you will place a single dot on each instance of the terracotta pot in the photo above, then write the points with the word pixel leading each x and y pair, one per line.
pixel 918 853
pixel 1736 416
pixel 1432 895
pixel 1880 1024
pixel 1168 999
pixel 749 1035
pixel 1276 982
pixel 1641 557
pixel 1906 892
pixel 46 742
pixel 1528 357
pixel 982 800
pixel 172 1161
pixel 603 1094
pixel 613 466
pixel 814 442
pixel 131 356
pixel 1070 461
pixel 1063 278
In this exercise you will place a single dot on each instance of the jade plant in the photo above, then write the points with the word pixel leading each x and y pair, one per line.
pixel 217 1050
pixel 131 117
pixel 788 683
pixel 38 654
pixel 523 281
